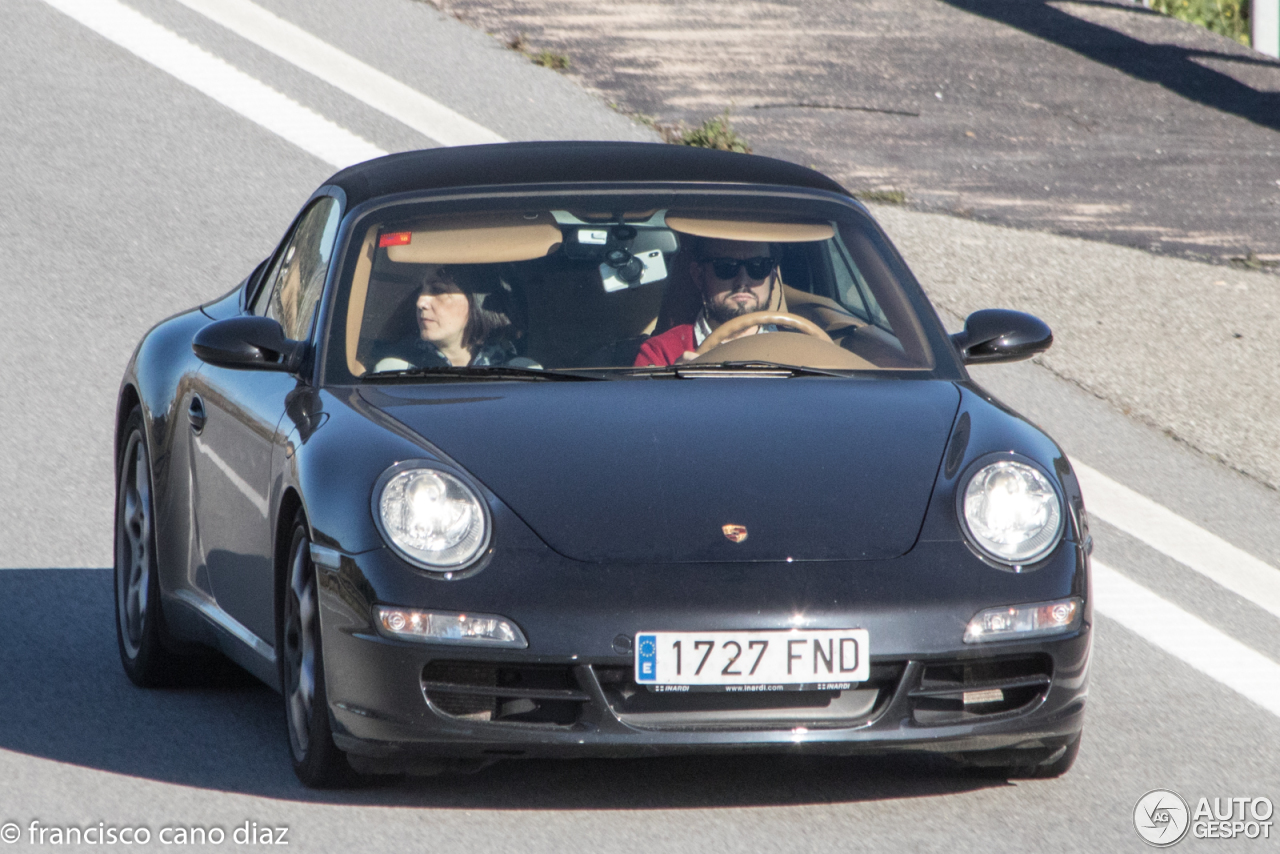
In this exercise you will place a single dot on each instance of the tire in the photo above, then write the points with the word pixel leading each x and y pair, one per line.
pixel 317 761
pixel 140 634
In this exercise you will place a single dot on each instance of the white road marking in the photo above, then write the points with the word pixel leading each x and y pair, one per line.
pixel 1223 658
pixel 257 499
pixel 221 81
pixel 1185 542
pixel 343 71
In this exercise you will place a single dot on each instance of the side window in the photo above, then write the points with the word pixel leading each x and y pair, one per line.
pixel 854 292
pixel 296 279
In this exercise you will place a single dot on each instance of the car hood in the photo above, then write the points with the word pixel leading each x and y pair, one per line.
pixel 653 470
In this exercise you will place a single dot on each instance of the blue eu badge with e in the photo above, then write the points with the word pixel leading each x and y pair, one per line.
pixel 646 658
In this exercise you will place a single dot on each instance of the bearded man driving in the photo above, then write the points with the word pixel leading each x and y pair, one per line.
pixel 734 278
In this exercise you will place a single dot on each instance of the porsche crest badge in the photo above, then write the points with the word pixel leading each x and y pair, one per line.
pixel 734 533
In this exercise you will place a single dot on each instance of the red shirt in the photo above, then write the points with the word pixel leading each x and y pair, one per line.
pixel 664 349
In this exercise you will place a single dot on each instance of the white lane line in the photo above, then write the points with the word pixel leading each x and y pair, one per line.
pixel 1185 542
pixel 257 499
pixel 343 71
pixel 221 81
pixel 1223 658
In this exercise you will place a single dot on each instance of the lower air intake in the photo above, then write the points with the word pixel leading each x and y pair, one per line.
pixel 955 692
pixel 640 707
pixel 481 691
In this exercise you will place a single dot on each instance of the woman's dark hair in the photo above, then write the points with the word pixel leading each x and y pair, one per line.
pixel 486 318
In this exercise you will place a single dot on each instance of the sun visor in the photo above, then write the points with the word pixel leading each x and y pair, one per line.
pixel 490 239
pixel 750 230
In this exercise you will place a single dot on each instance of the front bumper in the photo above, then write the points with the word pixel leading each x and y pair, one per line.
pixel 570 694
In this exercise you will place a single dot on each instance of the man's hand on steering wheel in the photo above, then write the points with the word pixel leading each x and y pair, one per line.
pixel 739 326
pixel 689 355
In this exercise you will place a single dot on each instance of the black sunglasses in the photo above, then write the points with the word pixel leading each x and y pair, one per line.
pixel 727 268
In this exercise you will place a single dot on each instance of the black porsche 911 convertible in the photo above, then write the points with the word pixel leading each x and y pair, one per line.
pixel 600 450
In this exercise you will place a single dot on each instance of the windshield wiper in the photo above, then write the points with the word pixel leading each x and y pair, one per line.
pixel 755 366
pixel 483 372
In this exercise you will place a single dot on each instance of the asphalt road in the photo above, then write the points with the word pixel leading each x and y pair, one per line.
pixel 129 196
pixel 1093 118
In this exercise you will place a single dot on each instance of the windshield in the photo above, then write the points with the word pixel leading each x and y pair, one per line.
pixel 621 285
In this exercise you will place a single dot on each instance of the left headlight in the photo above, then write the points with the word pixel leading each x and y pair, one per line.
pixel 432 518
pixel 1011 512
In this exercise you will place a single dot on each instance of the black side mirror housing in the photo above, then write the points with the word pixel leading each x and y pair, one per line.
pixel 253 343
pixel 1001 335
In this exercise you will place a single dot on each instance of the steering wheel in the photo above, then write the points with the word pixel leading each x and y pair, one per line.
pixel 758 318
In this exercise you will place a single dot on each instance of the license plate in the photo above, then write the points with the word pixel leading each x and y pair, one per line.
pixel 791 660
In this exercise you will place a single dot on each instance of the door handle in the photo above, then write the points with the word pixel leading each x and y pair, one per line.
pixel 195 414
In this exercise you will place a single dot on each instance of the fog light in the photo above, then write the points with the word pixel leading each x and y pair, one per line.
pixel 1021 621
pixel 449 627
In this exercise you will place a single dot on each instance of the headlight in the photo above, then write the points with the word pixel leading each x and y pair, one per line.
pixel 1023 621
pixel 432 518
pixel 1012 513
pixel 449 627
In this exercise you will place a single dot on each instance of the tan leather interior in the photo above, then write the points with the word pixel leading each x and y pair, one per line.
pixel 849 331
pixel 823 311
pixel 788 348
pixel 494 238
pixel 760 318
pixel 356 304
pixel 754 231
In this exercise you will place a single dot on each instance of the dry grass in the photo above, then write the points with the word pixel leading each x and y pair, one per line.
pixel 884 197
pixel 1229 18
pixel 546 58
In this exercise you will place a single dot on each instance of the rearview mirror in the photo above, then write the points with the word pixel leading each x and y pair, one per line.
pixel 1001 335
pixel 248 342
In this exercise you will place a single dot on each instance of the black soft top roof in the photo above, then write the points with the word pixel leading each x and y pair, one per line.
pixel 566 162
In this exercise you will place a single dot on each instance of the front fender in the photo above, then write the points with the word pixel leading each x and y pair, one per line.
pixel 984 426
pixel 157 379
pixel 335 449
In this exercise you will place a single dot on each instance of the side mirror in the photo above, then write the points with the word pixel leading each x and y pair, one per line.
pixel 248 342
pixel 1001 335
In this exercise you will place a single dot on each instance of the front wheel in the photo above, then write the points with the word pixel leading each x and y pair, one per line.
pixel 139 619
pixel 316 759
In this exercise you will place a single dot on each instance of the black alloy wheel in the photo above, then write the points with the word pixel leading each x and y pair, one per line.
pixel 139 619
pixel 316 759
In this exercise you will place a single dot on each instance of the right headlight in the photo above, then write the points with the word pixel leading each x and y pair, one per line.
pixel 1011 512
pixel 432 517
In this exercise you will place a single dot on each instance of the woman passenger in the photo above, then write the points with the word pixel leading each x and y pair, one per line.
pixel 459 323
